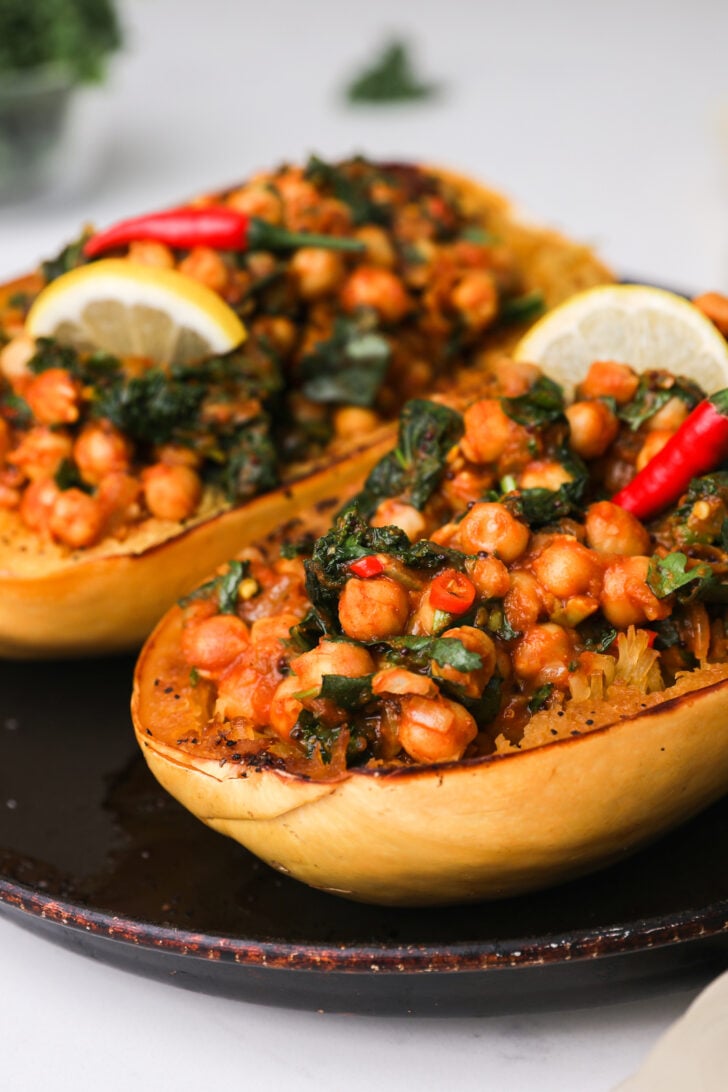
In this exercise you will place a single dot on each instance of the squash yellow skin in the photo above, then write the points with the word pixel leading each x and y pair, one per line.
pixel 458 832
pixel 105 601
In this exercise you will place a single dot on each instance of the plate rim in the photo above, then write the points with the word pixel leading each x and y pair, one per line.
pixel 580 945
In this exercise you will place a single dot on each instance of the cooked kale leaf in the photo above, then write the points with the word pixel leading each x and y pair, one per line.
pixel 539 406
pixel 348 693
pixel 351 189
pixel 225 586
pixel 654 391
pixel 350 366
pixel 351 537
pixel 413 471
pixel 151 408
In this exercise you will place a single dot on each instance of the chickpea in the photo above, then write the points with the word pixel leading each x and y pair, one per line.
pixel 669 417
pixel 15 357
pixel 544 474
pixel 100 450
pixel 467 486
pixel 54 397
pixel 171 492
pixel 9 496
pixel 379 249
pixel 715 306
pixel 524 602
pixel 543 655
pixel 317 272
pixel 371 610
pixel 593 428
pixel 475 298
pixel 435 730
pixel 380 289
pixel 278 330
pixel 515 377
pixel 626 597
pixel 276 625
pixel 490 528
pixel 331 658
pixel 178 455
pixel 653 444
pixel 118 496
pixel 488 431
pixel 5 439
pixel 394 513
pixel 41 451
pixel 567 568
pixel 76 519
pixel 354 421
pixel 36 503
pixel 150 252
pixel 473 682
pixel 395 680
pixel 214 642
pixel 608 379
pixel 575 610
pixel 490 576
pixel 612 530
pixel 285 707
pixel 257 200
pixel 203 264
pixel 245 688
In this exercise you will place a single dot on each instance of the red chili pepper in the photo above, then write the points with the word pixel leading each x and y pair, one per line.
pixel 452 592
pixel 217 226
pixel 367 566
pixel 698 446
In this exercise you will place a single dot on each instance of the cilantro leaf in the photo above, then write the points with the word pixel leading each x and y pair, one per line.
pixel 540 697
pixel 669 574
pixel 390 78
pixel 445 651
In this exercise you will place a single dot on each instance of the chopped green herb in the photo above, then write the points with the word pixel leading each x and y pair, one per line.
pixel 524 308
pixel 669 574
pixel 419 652
pixel 540 697
pixel 67 476
pixel 350 189
pixel 390 78
pixel 313 734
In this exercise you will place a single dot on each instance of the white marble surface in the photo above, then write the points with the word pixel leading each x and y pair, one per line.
pixel 610 122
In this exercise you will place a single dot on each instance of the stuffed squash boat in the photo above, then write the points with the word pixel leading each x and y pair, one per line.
pixel 158 376
pixel 486 677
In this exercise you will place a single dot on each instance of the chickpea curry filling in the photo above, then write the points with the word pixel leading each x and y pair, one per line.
pixel 401 283
pixel 479 595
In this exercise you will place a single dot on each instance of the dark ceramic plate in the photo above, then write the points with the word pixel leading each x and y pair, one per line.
pixel 95 856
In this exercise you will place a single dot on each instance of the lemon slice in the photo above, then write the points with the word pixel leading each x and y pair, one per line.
pixel 636 324
pixel 130 309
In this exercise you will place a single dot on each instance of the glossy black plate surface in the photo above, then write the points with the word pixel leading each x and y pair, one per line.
pixel 94 855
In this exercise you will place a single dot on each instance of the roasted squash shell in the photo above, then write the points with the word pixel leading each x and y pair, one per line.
pixel 55 602
pixel 424 835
